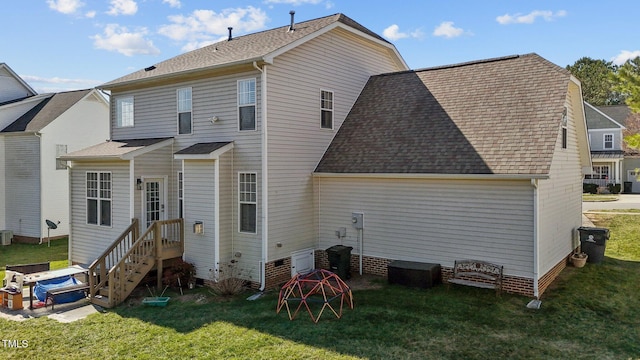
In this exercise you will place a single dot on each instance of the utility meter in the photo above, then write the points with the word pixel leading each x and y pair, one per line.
pixel 357 220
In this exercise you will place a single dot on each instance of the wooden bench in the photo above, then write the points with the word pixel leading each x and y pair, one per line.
pixel 51 294
pixel 477 273
pixel 29 268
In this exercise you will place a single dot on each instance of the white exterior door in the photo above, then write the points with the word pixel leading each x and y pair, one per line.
pixel 154 200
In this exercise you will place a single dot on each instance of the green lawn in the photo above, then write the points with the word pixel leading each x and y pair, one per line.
pixel 589 313
pixel 599 197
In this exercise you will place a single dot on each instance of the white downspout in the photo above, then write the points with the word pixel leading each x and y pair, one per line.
pixel 70 225
pixel 265 176
pixel 536 257
pixel 132 190
pixel 216 210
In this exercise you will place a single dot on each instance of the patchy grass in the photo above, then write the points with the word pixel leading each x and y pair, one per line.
pixel 599 197
pixel 588 313
pixel 624 231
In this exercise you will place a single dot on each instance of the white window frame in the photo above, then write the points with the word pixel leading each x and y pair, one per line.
pixel 120 111
pixel 99 195
pixel 242 200
pixel 183 102
pixel 180 194
pixel 598 174
pixel 61 150
pixel 604 141
pixel 241 104
pixel 565 130
pixel 324 109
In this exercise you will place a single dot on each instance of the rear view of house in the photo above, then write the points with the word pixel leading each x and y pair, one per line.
pixel 226 138
pixel 480 160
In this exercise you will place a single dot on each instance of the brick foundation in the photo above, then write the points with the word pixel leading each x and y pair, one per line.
pixel 278 272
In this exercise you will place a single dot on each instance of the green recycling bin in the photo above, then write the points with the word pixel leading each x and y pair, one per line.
pixel 593 242
pixel 339 259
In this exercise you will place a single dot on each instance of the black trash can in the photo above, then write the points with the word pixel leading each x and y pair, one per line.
pixel 628 187
pixel 593 242
pixel 339 259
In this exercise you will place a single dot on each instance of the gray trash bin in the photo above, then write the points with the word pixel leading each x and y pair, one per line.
pixel 339 259
pixel 593 242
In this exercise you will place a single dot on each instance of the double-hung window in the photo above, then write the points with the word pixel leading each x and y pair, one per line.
pixel 184 111
pixel 326 109
pixel 180 195
pixel 124 111
pixel 98 198
pixel 247 104
pixel 608 141
pixel 247 200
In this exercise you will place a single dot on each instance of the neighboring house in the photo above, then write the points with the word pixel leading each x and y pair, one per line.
pixel 480 160
pixel 606 143
pixel 12 87
pixel 227 137
pixel 34 130
pixel 620 164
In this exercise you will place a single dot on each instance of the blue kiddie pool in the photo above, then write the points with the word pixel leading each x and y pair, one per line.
pixel 41 288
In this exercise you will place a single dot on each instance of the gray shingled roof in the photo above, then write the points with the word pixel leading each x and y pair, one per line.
pixel 202 148
pixel 46 111
pixel 113 149
pixel 619 113
pixel 240 49
pixel 497 116
pixel 596 119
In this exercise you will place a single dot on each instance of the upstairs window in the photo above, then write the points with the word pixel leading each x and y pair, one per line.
pixel 247 104
pixel 184 111
pixel 564 128
pixel 124 111
pixel 180 195
pixel 608 141
pixel 99 198
pixel 326 109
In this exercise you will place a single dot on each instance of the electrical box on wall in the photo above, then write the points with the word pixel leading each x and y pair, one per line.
pixel 357 220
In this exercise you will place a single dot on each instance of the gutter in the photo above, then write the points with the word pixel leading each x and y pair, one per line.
pixel 265 177
pixel 434 176
pixel 536 242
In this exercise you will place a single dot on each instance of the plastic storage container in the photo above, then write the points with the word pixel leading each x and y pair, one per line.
pixel 339 259
pixel 593 242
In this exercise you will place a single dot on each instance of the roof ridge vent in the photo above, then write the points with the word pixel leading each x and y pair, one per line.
pixel 292 13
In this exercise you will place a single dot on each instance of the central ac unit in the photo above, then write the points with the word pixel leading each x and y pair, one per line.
pixel 5 237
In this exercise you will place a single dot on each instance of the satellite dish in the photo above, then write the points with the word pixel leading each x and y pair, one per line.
pixel 51 224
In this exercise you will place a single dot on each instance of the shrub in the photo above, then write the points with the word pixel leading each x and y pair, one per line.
pixel 229 282
pixel 590 188
pixel 614 188
pixel 179 274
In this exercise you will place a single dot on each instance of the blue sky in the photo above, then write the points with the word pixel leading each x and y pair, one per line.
pixel 58 45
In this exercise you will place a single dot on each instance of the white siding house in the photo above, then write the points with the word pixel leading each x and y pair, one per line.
pixel 33 182
pixel 462 161
pixel 231 133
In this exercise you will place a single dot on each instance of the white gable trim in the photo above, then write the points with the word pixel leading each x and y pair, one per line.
pixel 20 80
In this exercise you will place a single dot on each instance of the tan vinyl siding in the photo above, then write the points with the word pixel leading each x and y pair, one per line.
pixel 337 62
pixel 226 205
pixel 89 241
pixel 435 221
pixel 22 187
pixel 158 164
pixel 199 197
pixel 560 197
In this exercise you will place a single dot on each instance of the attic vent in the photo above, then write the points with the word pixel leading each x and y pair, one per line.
pixel 150 68
pixel 230 29
pixel 292 13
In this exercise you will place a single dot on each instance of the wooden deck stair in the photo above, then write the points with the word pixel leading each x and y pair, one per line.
pixel 117 272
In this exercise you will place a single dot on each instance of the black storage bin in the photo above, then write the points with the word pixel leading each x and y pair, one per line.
pixel 628 187
pixel 339 259
pixel 593 242
pixel 413 274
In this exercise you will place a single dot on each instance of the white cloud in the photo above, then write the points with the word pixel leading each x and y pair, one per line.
pixel 55 84
pixel 124 7
pixel 120 39
pixel 173 3
pixel 624 56
pixel 294 2
pixel 393 33
pixel 206 26
pixel 90 14
pixel 446 29
pixel 65 6
pixel 531 17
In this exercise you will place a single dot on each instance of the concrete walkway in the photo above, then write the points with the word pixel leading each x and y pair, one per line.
pixel 63 313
